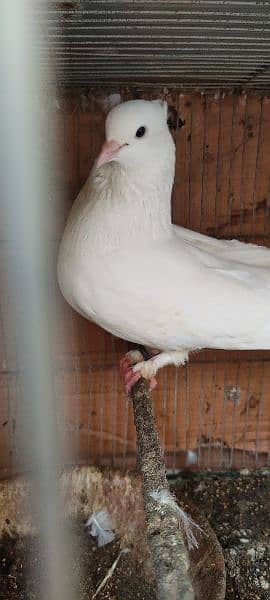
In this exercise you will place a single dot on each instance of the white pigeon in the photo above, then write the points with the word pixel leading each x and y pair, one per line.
pixel 125 266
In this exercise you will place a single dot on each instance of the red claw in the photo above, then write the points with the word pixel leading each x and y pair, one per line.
pixel 129 377
pixel 153 383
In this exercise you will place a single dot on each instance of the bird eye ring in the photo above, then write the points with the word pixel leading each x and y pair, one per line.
pixel 140 132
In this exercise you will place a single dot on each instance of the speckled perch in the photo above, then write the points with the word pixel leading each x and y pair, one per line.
pixel 166 541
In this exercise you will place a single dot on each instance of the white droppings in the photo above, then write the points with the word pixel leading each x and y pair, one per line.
pixel 264 583
pixel 192 457
pixel 251 552
pixel 245 472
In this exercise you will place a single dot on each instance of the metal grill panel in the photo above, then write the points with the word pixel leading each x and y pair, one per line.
pixel 190 44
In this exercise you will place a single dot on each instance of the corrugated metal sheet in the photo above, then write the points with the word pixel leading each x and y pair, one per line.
pixel 194 44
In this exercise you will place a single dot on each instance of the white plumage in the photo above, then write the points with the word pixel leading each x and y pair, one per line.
pixel 125 266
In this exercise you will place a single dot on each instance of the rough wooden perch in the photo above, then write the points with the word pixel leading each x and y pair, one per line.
pixel 166 540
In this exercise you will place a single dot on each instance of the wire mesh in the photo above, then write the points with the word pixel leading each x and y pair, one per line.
pixel 221 188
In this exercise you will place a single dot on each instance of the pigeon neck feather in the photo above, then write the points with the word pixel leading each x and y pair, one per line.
pixel 131 207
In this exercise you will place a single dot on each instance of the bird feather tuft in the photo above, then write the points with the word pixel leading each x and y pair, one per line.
pixel 100 526
pixel 165 497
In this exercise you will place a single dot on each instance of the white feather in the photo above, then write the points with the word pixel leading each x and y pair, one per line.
pixel 165 497
pixel 100 526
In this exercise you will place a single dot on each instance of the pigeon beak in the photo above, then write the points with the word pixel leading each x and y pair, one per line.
pixel 108 151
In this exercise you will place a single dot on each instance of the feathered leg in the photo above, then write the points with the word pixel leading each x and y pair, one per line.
pixel 132 367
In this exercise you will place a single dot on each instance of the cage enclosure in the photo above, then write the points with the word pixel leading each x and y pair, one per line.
pixel 211 62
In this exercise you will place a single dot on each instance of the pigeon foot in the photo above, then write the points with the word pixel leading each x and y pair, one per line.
pixel 127 370
pixel 133 366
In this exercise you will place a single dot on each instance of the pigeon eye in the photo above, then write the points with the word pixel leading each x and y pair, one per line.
pixel 140 132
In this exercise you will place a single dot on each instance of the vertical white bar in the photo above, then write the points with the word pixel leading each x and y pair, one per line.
pixel 25 188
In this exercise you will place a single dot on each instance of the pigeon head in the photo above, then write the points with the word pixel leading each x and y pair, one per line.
pixel 136 133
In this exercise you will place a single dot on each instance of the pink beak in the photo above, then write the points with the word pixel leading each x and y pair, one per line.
pixel 108 151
